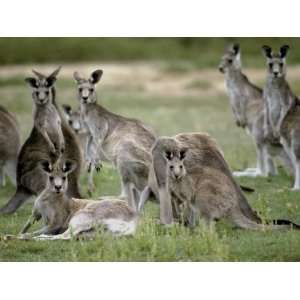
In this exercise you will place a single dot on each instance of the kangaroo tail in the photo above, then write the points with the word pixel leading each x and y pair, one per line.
pixel 283 222
pixel 247 189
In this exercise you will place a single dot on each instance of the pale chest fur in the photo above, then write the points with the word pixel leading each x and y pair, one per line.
pixel 53 209
pixel 48 118
pixel 275 98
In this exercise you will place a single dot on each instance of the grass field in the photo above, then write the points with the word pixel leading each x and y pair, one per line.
pixel 171 101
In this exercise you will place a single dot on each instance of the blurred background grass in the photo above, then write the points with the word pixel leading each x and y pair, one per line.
pixel 203 52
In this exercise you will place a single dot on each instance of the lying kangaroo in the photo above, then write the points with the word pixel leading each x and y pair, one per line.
pixel 248 107
pixel 46 116
pixel 283 108
pixel 30 179
pixel 65 217
pixel 74 119
pixel 10 141
pixel 194 181
pixel 124 142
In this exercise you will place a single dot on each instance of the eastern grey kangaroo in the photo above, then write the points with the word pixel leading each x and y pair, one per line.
pixel 75 121
pixel 46 116
pixel 194 181
pixel 30 178
pixel 283 108
pixel 10 142
pixel 124 142
pixel 248 107
pixel 65 217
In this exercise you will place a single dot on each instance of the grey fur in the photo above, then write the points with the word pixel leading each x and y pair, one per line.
pixel 247 105
pixel 10 142
pixel 200 184
pixel 65 217
pixel 30 179
pixel 283 110
pixel 124 142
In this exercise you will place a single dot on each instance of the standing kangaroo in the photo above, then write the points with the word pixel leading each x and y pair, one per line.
pixel 75 121
pixel 30 178
pixel 283 108
pixel 64 216
pixel 46 116
pixel 195 181
pixel 124 142
pixel 10 141
pixel 248 107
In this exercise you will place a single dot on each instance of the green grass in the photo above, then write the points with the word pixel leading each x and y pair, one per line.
pixel 168 115
pixel 181 54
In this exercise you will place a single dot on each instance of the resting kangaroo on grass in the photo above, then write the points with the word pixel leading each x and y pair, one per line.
pixel 30 179
pixel 65 217
pixel 123 141
pixel 194 181
pixel 248 108
pixel 10 142
pixel 283 108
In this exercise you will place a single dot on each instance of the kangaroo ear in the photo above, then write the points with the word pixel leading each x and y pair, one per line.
pixel 236 48
pixel 284 50
pixel 69 166
pixel 96 76
pixel 50 80
pixel 31 81
pixel 182 153
pixel 55 72
pixel 168 155
pixel 267 51
pixel 46 166
pixel 77 77
pixel 67 109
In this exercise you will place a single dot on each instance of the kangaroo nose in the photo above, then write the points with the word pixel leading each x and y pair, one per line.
pixel 221 69
pixel 276 74
pixel 58 188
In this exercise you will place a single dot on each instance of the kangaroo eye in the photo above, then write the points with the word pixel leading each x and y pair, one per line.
pixel 47 93
pixel 230 61
pixel 91 90
pixel 171 167
pixel 270 65
pixel 64 178
pixel 281 65
pixel 51 178
pixel 181 167
pixel 80 90
pixel 70 122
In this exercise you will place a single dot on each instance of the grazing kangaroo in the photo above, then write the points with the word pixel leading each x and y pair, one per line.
pixel 248 107
pixel 30 179
pixel 65 217
pixel 10 141
pixel 75 122
pixel 283 108
pixel 124 142
pixel 194 181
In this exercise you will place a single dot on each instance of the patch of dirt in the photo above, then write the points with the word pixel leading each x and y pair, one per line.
pixel 149 78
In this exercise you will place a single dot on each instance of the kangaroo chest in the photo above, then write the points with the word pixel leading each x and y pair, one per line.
pixel 53 212
pixel 49 119
pixel 274 99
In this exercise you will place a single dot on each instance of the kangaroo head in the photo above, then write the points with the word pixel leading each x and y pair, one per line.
pixel 175 163
pixel 73 118
pixel 58 174
pixel 231 60
pixel 276 63
pixel 86 87
pixel 41 86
